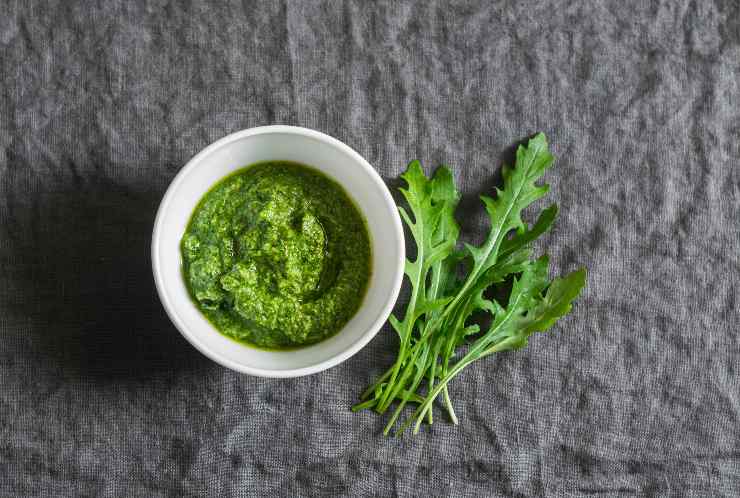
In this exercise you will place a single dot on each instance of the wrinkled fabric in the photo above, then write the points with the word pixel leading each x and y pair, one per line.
pixel 636 393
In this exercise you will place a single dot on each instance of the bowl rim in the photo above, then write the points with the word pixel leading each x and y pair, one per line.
pixel 338 358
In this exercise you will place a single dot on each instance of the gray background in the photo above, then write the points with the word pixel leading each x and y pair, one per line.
pixel 635 394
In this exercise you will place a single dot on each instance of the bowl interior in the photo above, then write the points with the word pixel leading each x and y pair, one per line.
pixel 335 160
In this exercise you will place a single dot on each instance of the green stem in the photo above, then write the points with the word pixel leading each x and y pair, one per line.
pixel 448 351
pixel 448 404
pixel 482 347
pixel 445 367
pixel 394 372
pixel 393 389
pixel 407 395
pixel 363 406
pixel 378 382
pixel 408 318
pixel 402 404
pixel 431 396
pixel 429 329
pixel 432 373
pixel 395 385
pixel 435 392
pixel 469 358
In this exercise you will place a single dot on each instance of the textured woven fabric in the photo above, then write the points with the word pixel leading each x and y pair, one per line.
pixel 634 394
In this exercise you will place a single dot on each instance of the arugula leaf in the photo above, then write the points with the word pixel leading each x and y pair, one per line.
pixel 505 210
pixel 445 195
pixel 435 231
pixel 440 334
pixel 528 311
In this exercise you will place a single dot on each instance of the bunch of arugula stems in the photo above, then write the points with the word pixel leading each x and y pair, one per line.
pixel 441 331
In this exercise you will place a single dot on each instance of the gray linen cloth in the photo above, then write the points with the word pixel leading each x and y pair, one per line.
pixel 635 394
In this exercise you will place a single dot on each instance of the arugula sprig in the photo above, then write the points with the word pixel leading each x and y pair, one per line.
pixel 438 334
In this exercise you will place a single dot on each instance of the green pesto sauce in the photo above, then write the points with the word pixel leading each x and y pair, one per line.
pixel 276 255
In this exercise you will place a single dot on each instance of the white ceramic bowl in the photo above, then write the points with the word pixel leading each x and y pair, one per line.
pixel 336 160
